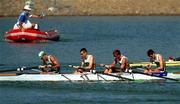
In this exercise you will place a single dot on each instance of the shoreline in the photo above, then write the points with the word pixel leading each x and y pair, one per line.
pixel 133 15
pixel 94 7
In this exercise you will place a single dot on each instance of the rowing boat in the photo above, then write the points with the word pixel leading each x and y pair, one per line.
pixel 83 77
pixel 168 63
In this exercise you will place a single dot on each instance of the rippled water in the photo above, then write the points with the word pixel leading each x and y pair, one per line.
pixel 100 35
pixel 88 93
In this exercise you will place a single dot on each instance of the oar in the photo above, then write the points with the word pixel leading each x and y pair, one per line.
pixel 118 76
pixel 176 72
pixel 155 75
pixel 72 66
pixel 139 66
pixel 115 75
pixel 20 69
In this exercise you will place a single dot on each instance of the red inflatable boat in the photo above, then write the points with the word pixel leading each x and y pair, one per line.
pixel 31 35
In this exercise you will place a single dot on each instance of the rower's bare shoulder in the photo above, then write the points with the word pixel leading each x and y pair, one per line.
pixel 91 56
pixel 53 57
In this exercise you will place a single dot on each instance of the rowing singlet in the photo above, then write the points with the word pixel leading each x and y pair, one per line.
pixel 86 62
pixel 120 62
pixel 48 62
pixel 157 60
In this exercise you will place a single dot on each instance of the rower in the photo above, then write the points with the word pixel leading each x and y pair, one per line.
pixel 23 22
pixel 158 60
pixel 50 63
pixel 87 62
pixel 118 59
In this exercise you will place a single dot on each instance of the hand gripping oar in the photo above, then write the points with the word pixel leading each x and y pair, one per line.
pixel 118 76
pixel 76 68
pixel 152 75
pixel 72 66
pixel 20 69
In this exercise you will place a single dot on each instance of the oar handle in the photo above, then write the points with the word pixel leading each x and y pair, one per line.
pixel 104 65
pixel 72 66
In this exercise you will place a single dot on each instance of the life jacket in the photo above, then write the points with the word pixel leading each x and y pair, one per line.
pixel 24 17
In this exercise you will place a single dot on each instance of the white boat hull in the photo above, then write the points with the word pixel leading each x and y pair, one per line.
pixel 83 77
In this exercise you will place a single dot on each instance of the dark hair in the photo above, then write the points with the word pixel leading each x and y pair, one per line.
pixel 117 52
pixel 150 52
pixel 83 49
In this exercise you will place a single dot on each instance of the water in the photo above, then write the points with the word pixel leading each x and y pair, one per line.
pixel 100 35
pixel 89 93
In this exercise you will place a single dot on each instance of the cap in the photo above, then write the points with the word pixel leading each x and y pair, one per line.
pixel 27 7
pixel 41 54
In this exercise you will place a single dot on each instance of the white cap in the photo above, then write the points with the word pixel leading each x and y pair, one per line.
pixel 27 7
pixel 41 54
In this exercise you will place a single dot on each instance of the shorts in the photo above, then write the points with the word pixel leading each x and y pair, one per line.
pixel 116 70
pixel 53 70
pixel 25 25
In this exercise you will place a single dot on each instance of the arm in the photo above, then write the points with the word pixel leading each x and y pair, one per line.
pixel 55 62
pixel 161 64
pixel 149 65
pixel 20 25
pixel 123 64
pixel 21 21
pixel 110 65
pixel 35 16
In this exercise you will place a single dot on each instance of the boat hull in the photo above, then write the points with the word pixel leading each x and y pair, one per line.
pixel 31 35
pixel 83 77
